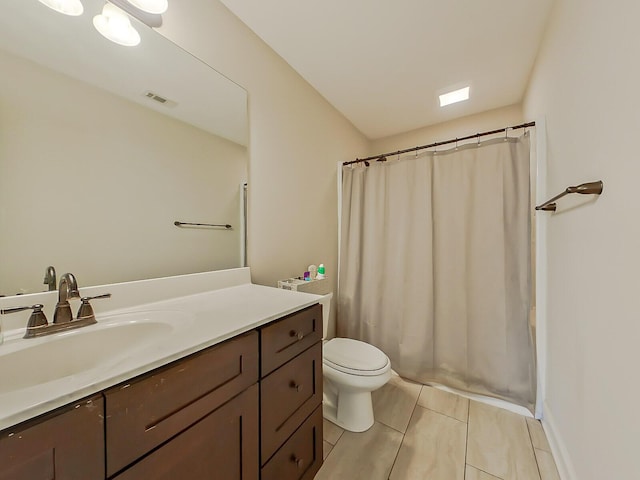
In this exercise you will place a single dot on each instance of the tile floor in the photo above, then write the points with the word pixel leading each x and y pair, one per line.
pixel 423 433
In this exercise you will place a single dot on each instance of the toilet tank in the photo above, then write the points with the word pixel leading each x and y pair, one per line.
pixel 325 301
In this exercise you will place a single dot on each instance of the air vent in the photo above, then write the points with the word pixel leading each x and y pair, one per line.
pixel 160 99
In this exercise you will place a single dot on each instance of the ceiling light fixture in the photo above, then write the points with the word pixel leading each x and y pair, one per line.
pixel 454 97
pixel 115 25
pixel 152 20
pixel 151 6
pixel 68 7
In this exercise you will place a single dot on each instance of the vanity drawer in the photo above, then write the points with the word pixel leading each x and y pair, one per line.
pixel 286 338
pixel 300 457
pixel 288 396
pixel 146 412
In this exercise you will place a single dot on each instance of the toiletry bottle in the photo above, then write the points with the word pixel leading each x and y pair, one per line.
pixel 320 274
pixel 313 271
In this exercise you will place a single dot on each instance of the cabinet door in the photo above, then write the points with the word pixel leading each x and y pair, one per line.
pixel 223 445
pixel 65 445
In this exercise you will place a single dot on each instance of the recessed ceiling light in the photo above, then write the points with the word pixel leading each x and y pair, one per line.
pixel 454 97
pixel 68 7
pixel 114 24
pixel 151 6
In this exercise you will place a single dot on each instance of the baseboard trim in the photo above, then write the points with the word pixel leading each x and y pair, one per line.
pixel 558 447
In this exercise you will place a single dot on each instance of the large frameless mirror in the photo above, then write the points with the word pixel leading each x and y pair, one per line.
pixel 104 147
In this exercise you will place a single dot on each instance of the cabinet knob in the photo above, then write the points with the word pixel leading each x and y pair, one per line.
pixel 296 386
pixel 298 461
pixel 298 335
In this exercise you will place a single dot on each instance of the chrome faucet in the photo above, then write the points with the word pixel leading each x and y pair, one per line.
pixel 67 289
pixel 50 278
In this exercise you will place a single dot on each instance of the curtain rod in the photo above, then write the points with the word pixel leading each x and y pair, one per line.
pixel 383 157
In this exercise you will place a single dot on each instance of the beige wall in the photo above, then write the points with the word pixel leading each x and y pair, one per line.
pixel 586 85
pixel 461 127
pixel 92 183
pixel 296 138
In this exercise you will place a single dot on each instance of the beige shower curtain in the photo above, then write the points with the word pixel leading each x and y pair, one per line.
pixel 435 266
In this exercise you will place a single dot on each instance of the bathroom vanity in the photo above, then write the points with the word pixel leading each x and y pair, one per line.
pixel 244 404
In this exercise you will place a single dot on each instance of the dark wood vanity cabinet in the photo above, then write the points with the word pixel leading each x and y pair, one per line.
pixel 65 445
pixel 291 396
pixel 244 409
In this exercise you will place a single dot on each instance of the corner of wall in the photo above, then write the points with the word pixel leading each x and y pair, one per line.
pixel 559 450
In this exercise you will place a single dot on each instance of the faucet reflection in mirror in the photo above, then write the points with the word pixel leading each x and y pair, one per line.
pixel 50 278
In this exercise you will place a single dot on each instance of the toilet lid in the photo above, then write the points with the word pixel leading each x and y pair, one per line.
pixel 348 355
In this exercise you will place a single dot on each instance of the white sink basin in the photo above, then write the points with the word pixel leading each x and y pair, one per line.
pixel 46 359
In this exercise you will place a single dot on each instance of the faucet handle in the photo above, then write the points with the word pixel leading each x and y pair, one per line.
pixel 36 320
pixel 85 312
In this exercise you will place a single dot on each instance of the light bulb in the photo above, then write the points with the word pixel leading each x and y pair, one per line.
pixel 151 6
pixel 115 25
pixel 68 7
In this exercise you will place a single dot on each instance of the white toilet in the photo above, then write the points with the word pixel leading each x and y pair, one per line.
pixel 352 370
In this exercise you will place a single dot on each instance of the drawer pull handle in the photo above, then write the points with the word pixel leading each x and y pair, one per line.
pixel 298 335
pixel 298 461
pixel 296 386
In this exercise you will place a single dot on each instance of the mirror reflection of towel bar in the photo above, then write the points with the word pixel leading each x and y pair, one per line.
pixel 214 225
pixel 590 188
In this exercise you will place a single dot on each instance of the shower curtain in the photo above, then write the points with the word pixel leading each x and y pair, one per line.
pixel 435 266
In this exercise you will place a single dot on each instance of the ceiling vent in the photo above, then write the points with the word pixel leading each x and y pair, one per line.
pixel 160 99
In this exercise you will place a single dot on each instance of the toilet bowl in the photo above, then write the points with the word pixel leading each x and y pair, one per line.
pixel 352 370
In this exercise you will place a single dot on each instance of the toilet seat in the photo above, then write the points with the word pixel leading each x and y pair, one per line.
pixel 354 357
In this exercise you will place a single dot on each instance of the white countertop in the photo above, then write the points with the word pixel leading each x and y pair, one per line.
pixel 210 318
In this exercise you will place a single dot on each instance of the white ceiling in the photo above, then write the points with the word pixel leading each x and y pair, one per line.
pixel 382 63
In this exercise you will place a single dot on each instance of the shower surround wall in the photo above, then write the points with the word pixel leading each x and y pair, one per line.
pixel 585 83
